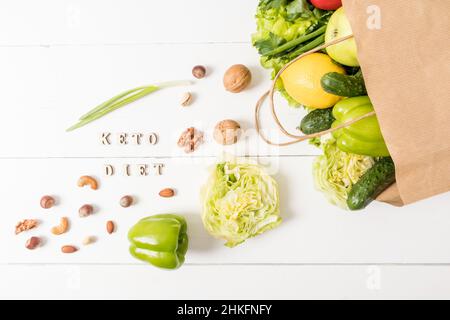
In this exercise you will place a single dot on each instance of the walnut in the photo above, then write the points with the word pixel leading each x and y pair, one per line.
pixel 25 225
pixel 227 132
pixel 237 78
pixel 190 139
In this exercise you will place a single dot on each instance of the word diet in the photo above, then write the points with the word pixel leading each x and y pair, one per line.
pixel 136 138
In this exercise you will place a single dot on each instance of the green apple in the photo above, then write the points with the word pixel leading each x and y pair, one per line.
pixel 345 52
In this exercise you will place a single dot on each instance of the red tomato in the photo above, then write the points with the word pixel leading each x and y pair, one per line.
pixel 327 4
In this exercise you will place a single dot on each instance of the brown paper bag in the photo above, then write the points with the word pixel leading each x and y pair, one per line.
pixel 404 52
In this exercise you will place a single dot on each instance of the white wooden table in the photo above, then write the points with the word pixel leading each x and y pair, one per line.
pixel 58 58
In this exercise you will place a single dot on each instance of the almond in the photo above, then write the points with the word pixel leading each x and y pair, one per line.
pixel 69 249
pixel 167 193
pixel 110 226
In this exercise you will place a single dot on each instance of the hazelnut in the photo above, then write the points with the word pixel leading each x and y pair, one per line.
pixel 33 243
pixel 126 201
pixel 85 210
pixel 227 132
pixel 47 202
pixel 237 78
pixel 199 72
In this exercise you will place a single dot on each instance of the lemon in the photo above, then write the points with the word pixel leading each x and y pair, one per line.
pixel 302 80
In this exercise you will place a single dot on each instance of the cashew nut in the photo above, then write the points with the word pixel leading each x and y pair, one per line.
pixel 88 181
pixel 62 227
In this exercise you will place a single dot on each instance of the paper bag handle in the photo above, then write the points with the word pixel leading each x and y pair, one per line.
pixel 270 93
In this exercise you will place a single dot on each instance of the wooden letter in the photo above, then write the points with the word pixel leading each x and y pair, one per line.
pixel 123 138
pixel 127 169
pixel 153 138
pixel 105 138
pixel 143 169
pixel 158 167
pixel 109 170
pixel 136 138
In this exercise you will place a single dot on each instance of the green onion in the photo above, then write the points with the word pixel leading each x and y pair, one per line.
pixel 293 43
pixel 309 46
pixel 114 99
pixel 121 100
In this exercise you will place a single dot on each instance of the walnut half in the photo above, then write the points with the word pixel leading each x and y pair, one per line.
pixel 25 225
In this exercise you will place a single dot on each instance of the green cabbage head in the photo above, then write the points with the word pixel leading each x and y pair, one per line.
pixel 335 172
pixel 240 201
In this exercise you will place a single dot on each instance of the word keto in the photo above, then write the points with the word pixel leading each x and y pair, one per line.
pixel 139 169
pixel 124 138
pixel 235 309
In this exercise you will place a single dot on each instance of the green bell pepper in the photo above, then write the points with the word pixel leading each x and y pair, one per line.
pixel 363 137
pixel 160 240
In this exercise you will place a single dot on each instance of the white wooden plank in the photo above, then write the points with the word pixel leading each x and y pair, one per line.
pixel 48 22
pixel 225 282
pixel 47 89
pixel 313 231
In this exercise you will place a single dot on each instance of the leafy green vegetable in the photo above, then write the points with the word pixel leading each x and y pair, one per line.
pixel 240 201
pixel 297 9
pixel 335 172
pixel 267 45
pixel 283 33
pixel 275 4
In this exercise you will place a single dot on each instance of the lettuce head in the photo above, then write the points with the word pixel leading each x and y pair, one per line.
pixel 335 172
pixel 240 201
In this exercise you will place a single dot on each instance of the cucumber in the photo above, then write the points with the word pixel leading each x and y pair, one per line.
pixel 316 121
pixel 343 85
pixel 371 184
